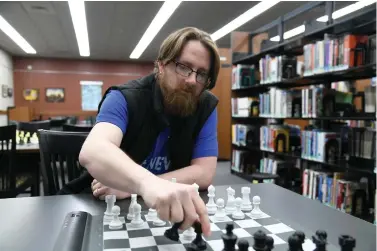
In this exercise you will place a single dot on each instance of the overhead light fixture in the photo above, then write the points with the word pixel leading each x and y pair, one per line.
pixel 347 10
pixel 291 33
pixel 77 9
pixel 15 36
pixel 336 14
pixel 253 12
pixel 162 16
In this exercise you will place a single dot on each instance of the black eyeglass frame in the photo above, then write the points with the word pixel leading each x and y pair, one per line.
pixel 206 83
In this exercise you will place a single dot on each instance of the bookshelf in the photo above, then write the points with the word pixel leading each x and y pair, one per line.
pixel 302 119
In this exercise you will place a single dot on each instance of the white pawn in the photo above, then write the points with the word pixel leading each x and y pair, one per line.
pixel 220 213
pixel 238 214
pixel 137 221
pixel 130 214
pixel 246 204
pixel 256 212
pixel 115 223
pixel 152 214
pixel 189 234
pixel 158 222
pixel 174 180
pixel 211 205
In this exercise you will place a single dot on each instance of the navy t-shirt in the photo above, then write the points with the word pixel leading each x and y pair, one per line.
pixel 114 111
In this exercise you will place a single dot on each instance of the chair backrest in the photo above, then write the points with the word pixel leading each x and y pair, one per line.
pixel 59 153
pixel 7 153
pixel 34 126
pixel 77 128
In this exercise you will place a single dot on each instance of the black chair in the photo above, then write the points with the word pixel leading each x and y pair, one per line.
pixel 59 153
pixel 34 126
pixel 77 128
pixel 12 183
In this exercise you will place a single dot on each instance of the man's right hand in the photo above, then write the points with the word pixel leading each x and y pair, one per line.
pixel 175 202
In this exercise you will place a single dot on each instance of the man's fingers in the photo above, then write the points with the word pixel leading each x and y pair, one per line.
pixel 163 210
pixel 176 211
pixel 100 191
pixel 201 210
pixel 97 186
pixel 189 213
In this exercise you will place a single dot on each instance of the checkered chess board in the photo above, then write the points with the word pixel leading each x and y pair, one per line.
pixel 150 237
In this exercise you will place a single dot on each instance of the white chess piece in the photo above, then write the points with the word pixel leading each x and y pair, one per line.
pixel 238 214
pixel 246 204
pixel 211 205
pixel 152 214
pixel 158 222
pixel 231 202
pixel 189 234
pixel 115 223
pixel 130 214
pixel 196 187
pixel 110 202
pixel 174 180
pixel 220 213
pixel 137 221
pixel 256 212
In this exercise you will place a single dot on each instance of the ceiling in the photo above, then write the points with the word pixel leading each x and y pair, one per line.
pixel 115 27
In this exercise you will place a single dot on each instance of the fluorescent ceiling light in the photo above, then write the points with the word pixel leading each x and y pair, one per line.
pixel 166 10
pixel 347 10
pixel 291 33
pixel 77 9
pixel 15 36
pixel 244 18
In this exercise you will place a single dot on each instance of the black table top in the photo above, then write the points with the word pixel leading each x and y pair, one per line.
pixel 33 223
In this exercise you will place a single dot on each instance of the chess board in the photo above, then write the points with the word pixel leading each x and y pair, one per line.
pixel 150 237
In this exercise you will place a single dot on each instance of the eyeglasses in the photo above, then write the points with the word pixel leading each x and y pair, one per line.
pixel 185 71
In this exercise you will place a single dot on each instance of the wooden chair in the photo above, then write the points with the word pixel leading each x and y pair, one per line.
pixel 59 152
pixel 34 126
pixel 77 128
pixel 12 183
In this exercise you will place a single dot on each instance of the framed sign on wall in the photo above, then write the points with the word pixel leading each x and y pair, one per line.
pixel 91 95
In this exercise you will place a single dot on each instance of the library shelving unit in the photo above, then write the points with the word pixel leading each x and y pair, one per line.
pixel 304 109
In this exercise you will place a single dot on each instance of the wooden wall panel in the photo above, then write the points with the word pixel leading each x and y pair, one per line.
pixel 44 73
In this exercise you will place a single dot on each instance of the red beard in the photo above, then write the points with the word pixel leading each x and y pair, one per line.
pixel 181 101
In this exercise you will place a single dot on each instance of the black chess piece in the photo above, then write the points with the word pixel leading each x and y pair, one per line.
pixel 269 243
pixel 347 243
pixel 301 237
pixel 172 233
pixel 243 245
pixel 319 242
pixel 321 234
pixel 259 240
pixel 198 241
pixel 229 238
pixel 294 243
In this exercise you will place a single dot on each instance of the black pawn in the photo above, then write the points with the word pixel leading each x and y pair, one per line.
pixel 172 233
pixel 259 240
pixel 294 243
pixel 243 245
pixel 319 242
pixel 301 237
pixel 198 241
pixel 269 243
pixel 347 243
pixel 229 238
pixel 321 234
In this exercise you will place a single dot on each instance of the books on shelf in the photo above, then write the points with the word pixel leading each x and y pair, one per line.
pixel 335 190
pixel 335 53
pixel 245 135
pixel 275 69
pixel 362 143
pixel 279 138
pixel 244 76
pixel 245 107
pixel 271 166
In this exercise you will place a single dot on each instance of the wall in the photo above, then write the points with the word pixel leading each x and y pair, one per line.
pixel 6 79
pixel 67 74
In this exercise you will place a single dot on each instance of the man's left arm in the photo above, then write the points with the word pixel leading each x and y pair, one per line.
pixel 204 160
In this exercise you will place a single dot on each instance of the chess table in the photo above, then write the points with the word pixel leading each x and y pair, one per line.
pixel 33 223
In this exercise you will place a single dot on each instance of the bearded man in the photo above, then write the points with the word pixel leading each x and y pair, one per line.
pixel 159 127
